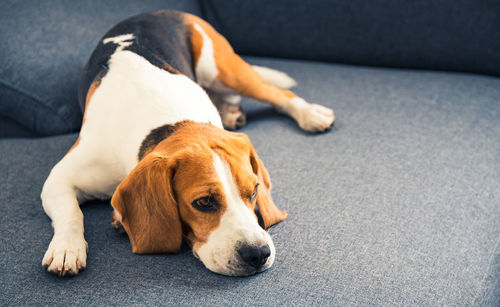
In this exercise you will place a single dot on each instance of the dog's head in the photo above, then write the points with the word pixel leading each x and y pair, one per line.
pixel 201 183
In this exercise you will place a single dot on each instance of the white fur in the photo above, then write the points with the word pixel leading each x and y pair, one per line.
pixel 206 69
pixel 310 117
pixel 237 226
pixel 232 99
pixel 120 40
pixel 133 98
pixel 275 77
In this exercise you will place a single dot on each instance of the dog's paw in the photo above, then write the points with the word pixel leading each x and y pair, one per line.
pixel 66 255
pixel 232 116
pixel 315 118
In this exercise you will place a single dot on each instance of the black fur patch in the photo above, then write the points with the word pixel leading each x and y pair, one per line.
pixel 161 37
pixel 155 137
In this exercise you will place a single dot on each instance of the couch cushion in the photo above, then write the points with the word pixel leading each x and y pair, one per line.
pixel 459 35
pixel 397 205
pixel 45 45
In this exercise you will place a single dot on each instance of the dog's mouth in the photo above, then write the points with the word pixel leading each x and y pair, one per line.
pixel 237 256
pixel 234 266
pixel 240 270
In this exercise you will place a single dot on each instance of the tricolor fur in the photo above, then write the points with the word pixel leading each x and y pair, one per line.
pixel 152 138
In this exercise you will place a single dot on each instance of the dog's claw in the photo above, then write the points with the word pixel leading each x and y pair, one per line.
pixel 66 256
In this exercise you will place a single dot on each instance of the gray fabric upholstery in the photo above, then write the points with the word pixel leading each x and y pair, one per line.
pixel 11 128
pixel 397 205
pixel 460 35
pixel 45 45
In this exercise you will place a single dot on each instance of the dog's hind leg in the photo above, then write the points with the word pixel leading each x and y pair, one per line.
pixel 227 101
pixel 216 65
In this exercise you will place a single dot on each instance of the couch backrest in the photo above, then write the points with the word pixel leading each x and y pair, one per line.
pixel 458 35
pixel 45 45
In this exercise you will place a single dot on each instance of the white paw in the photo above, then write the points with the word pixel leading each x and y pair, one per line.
pixel 232 116
pixel 66 255
pixel 315 118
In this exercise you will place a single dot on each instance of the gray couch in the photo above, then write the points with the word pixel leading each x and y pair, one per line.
pixel 399 204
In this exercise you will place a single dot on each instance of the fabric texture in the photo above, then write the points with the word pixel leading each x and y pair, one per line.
pixel 458 35
pixel 397 205
pixel 45 45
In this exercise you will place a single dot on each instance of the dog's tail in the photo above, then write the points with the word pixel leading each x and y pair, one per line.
pixel 275 77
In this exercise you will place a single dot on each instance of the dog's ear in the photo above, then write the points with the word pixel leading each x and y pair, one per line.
pixel 269 212
pixel 147 208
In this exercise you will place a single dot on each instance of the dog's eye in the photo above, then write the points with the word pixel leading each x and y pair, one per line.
pixel 207 203
pixel 252 198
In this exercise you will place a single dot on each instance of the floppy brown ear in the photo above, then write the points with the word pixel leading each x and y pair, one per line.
pixel 147 208
pixel 267 209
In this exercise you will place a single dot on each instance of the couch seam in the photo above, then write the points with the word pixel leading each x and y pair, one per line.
pixel 486 274
pixel 36 134
pixel 32 98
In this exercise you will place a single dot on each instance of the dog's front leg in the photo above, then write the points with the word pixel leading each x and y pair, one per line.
pixel 67 252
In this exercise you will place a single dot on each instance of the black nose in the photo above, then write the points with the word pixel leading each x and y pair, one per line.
pixel 255 256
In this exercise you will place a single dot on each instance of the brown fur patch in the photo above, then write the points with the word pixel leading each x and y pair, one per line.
pixel 234 72
pixel 159 192
pixel 196 42
pixel 93 87
pixel 146 205
pixel 171 69
pixel 270 213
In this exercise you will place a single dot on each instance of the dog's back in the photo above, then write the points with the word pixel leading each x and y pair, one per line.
pixel 161 37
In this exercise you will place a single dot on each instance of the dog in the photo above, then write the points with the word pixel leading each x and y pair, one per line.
pixel 157 92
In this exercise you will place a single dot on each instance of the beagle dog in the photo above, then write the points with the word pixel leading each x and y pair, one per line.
pixel 157 93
